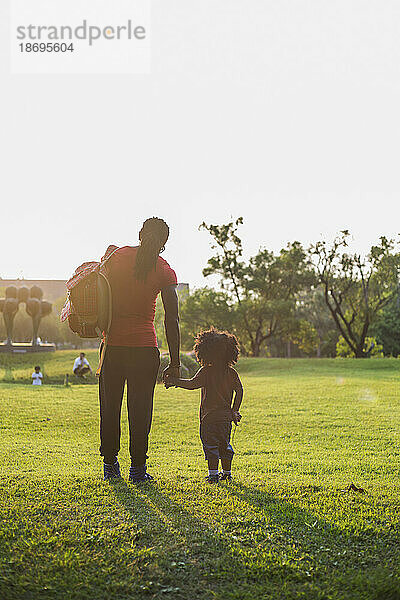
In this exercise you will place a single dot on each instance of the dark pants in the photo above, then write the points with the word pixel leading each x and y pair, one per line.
pixel 138 367
pixel 80 371
pixel 215 434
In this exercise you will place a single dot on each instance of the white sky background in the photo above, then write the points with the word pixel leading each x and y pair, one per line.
pixel 285 112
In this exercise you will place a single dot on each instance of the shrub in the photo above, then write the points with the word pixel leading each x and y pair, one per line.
pixel 371 346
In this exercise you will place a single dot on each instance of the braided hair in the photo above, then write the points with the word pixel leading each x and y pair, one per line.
pixel 152 236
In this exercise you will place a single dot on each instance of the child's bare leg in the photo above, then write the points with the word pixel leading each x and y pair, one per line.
pixel 226 464
pixel 213 470
pixel 213 464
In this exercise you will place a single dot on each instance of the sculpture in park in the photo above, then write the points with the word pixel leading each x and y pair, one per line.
pixel 35 306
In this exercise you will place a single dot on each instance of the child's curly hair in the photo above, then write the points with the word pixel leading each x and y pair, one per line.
pixel 216 347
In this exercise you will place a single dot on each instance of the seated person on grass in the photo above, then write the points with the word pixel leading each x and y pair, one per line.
pixel 81 365
pixel 216 351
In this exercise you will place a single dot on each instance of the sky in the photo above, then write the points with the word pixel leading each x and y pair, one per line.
pixel 284 112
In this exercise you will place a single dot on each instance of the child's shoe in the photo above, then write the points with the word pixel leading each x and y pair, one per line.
pixel 212 478
pixel 225 477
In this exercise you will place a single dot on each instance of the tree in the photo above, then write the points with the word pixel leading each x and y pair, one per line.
pixel 371 347
pixel 264 289
pixel 273 283
pixel 227 263
pixel 355 288
pixel 305 337
pixel 321 333
pixel 204 308
pixel 386 329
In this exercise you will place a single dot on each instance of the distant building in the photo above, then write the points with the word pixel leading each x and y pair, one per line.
pixel 183 288
pixel 53 289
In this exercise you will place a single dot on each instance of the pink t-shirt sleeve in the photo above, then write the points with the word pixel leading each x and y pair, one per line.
pixel 167 275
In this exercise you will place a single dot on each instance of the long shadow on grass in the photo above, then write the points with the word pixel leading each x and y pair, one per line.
pixel 216 562
pixel 271 546
pixel 218 559
pixel 331 549
pixel 190 558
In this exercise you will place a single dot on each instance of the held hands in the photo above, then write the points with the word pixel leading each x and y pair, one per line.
pixel 236 417
pixel 169 381
pixel 170 375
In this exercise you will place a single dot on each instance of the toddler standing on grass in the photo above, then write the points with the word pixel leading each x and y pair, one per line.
pixel 37 376
pixel 221 397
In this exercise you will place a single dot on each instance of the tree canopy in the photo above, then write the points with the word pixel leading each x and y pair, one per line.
pixel 356 288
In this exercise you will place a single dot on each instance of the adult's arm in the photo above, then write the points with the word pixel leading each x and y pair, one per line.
pixel 171 322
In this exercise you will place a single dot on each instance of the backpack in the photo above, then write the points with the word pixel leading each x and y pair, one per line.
pixel 88 307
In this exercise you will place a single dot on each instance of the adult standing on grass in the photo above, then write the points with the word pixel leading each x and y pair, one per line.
pixel 136 275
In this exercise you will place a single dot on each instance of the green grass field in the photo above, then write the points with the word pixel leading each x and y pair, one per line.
pixel 54 366
pixel 285 528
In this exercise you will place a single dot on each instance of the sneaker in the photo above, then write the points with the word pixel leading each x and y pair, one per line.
pixel 139 475
pixel 225 477
pixel 111 471
pixel 212 479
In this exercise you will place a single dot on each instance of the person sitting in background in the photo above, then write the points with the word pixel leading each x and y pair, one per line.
pixel 81 365
pixel 37 376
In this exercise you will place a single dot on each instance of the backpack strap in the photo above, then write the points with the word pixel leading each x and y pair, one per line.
pixel 111 250
pixel 102 355
pixel 104 261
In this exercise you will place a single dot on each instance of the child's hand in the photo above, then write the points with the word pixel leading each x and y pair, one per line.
pixel 169 381
pixel 236 417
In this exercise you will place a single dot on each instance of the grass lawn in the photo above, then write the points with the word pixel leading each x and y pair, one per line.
pixel 285 528
pixel 18 368
pixel 54 366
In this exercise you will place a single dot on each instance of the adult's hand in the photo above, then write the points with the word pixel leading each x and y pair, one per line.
pixel 172 372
